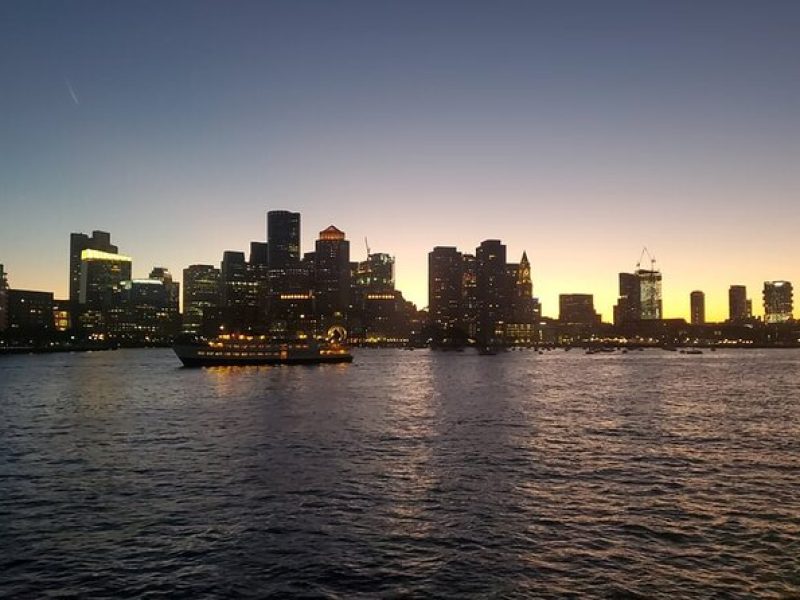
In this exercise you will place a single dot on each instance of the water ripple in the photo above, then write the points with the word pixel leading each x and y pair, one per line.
pixel 646 475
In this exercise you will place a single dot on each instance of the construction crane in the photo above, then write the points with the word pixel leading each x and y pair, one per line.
pixel 650 256
pixel 366 243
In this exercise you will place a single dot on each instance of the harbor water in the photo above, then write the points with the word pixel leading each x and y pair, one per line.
pixel 405 474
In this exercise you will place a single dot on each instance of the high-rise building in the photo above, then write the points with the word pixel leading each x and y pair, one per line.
pixel 495 283
pixel 628 307
pixel 332 274
pixel 102 274
pixel 445 287
pixel 241 295
pixel 522 314
pixel 650 285
pixel 3 300
pixel 697 303
pixel 283 239
pixel 259 253
pixel 78 242
pixel 469 294
pixel 201 292
pixel 376 274
pixel 171 288
pixel 737 304
pixel 577 309
pixel 639 297
pixel 778 302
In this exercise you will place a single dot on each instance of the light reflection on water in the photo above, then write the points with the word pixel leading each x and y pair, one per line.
pixel 649 475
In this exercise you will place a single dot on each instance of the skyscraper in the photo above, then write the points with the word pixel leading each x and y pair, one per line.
pixel 171 288
pixel 639 297
pixel 332 273
pixel 778 302
pixel 697 302
pixel 494 284
pixel 445 287
pixel 283 239
pixel 240 298
pixel 200 293
pixel 521 315
pixel 737 304
pixel 78 242
pixel 102 274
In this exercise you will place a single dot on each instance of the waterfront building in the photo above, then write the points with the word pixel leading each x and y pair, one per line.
pixel 62 315
pixel 102 274
pixel 778 302
pixel 30 313
pixel 577 309
pixel 78 242
pixel 446 287
pixel 145 313
pixel 522 314
pixel 494 283
pixel 697 302
pixel 201 293
pixel 332 275
pixel 738 310
pixel 3 300
pixel 469 294
pixel 241 299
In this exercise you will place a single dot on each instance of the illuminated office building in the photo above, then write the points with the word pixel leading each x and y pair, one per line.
pixel 171 288
pixel 241 296
pixel 102 274
pixel 445 287
pixel 778 302
pixel 639 297
pixel 376 273
pixel 697 305
pixel 62 315
pixel 78 242
pixel 522 312
pixel 494 290
pixel 332 274
pixel 201 293
pixel 30 313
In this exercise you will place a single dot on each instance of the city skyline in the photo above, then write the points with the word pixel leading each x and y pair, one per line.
pixel 753 296
pixel 578 134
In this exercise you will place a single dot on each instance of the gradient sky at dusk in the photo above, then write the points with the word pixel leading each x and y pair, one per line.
pixel 578 131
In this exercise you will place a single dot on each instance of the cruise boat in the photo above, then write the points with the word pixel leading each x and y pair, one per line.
pixel 231 350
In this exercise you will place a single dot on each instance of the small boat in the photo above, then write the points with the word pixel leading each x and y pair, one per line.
pixel 232 350
pixel 691 351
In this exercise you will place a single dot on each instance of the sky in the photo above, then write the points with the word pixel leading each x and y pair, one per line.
pixel 577 131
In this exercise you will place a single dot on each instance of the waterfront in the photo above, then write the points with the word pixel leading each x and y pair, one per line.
pixel 650 474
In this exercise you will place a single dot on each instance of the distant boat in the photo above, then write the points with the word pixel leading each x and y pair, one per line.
pixel 258 350
pixel 691 351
